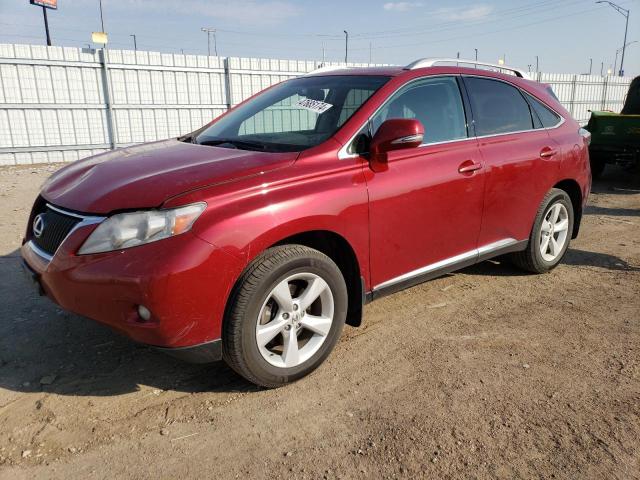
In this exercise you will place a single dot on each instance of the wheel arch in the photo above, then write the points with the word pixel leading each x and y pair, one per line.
pixel 572 188
pixel 338 249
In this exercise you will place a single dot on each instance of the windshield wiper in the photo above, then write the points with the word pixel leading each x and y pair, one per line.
pixel 243 144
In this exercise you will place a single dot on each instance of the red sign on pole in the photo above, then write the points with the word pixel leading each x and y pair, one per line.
pixel 45 3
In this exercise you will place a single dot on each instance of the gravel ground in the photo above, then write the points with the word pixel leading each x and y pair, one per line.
pixel 487 373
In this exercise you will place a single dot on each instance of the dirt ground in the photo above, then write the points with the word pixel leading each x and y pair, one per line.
pixel 487 373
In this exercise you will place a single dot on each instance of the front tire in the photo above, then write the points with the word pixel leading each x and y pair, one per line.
pixel 285 315
pixel 550 235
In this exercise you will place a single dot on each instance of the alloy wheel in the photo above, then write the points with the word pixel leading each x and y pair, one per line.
pixel 554 232
pixel 294 320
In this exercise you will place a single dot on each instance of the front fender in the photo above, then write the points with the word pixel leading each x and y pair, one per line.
pixel 319 192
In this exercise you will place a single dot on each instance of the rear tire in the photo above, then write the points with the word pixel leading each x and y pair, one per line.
pixel 550 235
pixel 285 315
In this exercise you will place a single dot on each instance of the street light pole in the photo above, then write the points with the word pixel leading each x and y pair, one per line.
pixel 135 45
pixel 625 13
pixel 101 17
pixel 346 46
pixel 615 63
pixel 476 54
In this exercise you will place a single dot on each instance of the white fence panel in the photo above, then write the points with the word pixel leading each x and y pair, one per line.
pixel 56 106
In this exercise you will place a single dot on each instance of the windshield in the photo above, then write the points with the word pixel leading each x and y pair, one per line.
pixel 292 116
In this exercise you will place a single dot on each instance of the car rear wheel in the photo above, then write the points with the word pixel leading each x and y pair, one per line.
pixel 550 235
pixel 285 315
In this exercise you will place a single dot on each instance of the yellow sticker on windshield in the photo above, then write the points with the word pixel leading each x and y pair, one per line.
pixel 315 106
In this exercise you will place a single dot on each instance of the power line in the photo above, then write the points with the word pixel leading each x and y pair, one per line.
pixel 521 26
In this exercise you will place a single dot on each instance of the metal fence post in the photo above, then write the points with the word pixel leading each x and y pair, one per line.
pixel 573 95
pixel 111 133
pixel 604 93
pixel 227 82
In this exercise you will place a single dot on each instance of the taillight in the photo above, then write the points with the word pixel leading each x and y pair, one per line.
pixel 586 136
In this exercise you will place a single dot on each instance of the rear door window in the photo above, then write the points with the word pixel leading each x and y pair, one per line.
pixel 547 117
pixel 497 107
pixel 435 102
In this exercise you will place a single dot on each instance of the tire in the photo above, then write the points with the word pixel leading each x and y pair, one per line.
pixel 532 258
pixel 597 163
pixel 260 306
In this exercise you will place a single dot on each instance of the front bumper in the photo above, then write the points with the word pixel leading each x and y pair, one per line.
pixel 183 281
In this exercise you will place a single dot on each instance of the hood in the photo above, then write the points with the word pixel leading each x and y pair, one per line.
pixel 144 176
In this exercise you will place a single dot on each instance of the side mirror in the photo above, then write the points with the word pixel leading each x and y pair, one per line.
pixel 394 134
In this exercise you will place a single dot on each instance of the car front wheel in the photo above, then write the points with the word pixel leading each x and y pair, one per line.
pixel 285 315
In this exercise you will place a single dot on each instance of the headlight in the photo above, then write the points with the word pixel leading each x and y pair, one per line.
pixel 126 230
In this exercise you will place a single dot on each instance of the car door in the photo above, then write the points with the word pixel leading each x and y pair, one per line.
pixel 520 158
pixel 425 209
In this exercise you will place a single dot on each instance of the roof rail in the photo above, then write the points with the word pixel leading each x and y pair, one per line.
pixel 329 68
pixel 431 62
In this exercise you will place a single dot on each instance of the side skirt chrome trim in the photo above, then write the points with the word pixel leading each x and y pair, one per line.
pixel 447 265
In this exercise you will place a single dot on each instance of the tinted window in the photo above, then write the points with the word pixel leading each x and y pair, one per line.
pixel 497 107
pixel 435 102
pixel 548 117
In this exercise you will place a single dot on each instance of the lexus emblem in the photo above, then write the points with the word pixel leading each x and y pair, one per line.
pixel 38 225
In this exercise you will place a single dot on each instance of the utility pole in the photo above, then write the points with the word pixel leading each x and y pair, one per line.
pixel 476 54
pixel 590 65
pixel 601 68
pixel 209 31
pixel 135 45
pixel 625 13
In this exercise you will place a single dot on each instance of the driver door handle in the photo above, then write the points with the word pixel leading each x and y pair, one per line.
pixel 469 166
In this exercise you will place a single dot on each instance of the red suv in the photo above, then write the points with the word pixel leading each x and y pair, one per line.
pixel 256 238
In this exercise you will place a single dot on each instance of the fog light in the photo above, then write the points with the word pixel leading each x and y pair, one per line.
pixel 144 313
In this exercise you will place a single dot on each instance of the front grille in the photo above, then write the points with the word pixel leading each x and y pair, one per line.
pixel 55 228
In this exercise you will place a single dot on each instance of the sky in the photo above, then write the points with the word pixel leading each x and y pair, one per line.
pixel 564 34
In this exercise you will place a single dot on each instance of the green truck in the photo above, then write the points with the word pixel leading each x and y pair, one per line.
pixel 615 137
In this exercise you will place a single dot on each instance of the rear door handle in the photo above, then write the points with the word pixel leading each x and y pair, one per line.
pixel 547 152
pixel 469 166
